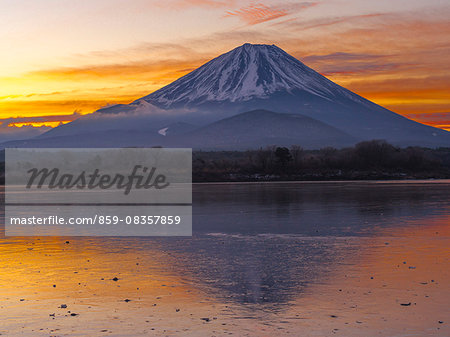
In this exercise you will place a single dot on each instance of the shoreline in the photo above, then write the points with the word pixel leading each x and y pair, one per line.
pixel 334 181
pixel 373 181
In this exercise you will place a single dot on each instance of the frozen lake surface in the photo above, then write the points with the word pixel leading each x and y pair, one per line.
pixel 295 259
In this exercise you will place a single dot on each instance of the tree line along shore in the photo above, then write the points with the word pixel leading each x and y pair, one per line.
pixel 369 160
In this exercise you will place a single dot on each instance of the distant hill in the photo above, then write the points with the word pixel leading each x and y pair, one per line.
pixel 260 128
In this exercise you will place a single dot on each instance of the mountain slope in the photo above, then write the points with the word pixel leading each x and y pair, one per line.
pixel 260 128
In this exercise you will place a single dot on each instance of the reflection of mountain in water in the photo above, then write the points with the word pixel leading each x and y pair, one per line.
pixel 270 269
pixel 265 243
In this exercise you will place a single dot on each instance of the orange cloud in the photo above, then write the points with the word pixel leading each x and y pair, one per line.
pixel 27 109
pixel 346 63
pixel 50 120
pixel 200 3
pixel 38 125
pixel 143 70
pixel 329 21
pixel 438 119
pixel 258 13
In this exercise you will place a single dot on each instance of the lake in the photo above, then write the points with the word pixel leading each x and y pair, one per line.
pixel 265 259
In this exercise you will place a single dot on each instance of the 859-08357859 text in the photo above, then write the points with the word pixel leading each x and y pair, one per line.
pixel 98 219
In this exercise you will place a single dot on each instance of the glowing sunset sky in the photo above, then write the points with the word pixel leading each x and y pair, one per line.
pixel 62 58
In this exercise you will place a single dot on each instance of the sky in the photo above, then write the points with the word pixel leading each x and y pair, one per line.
pixel 60 59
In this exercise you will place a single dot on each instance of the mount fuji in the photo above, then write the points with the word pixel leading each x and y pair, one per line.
pixel 251 96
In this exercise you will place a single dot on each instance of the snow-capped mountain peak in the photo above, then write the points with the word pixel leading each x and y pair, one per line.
pixel 265 88
pixel 246 72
